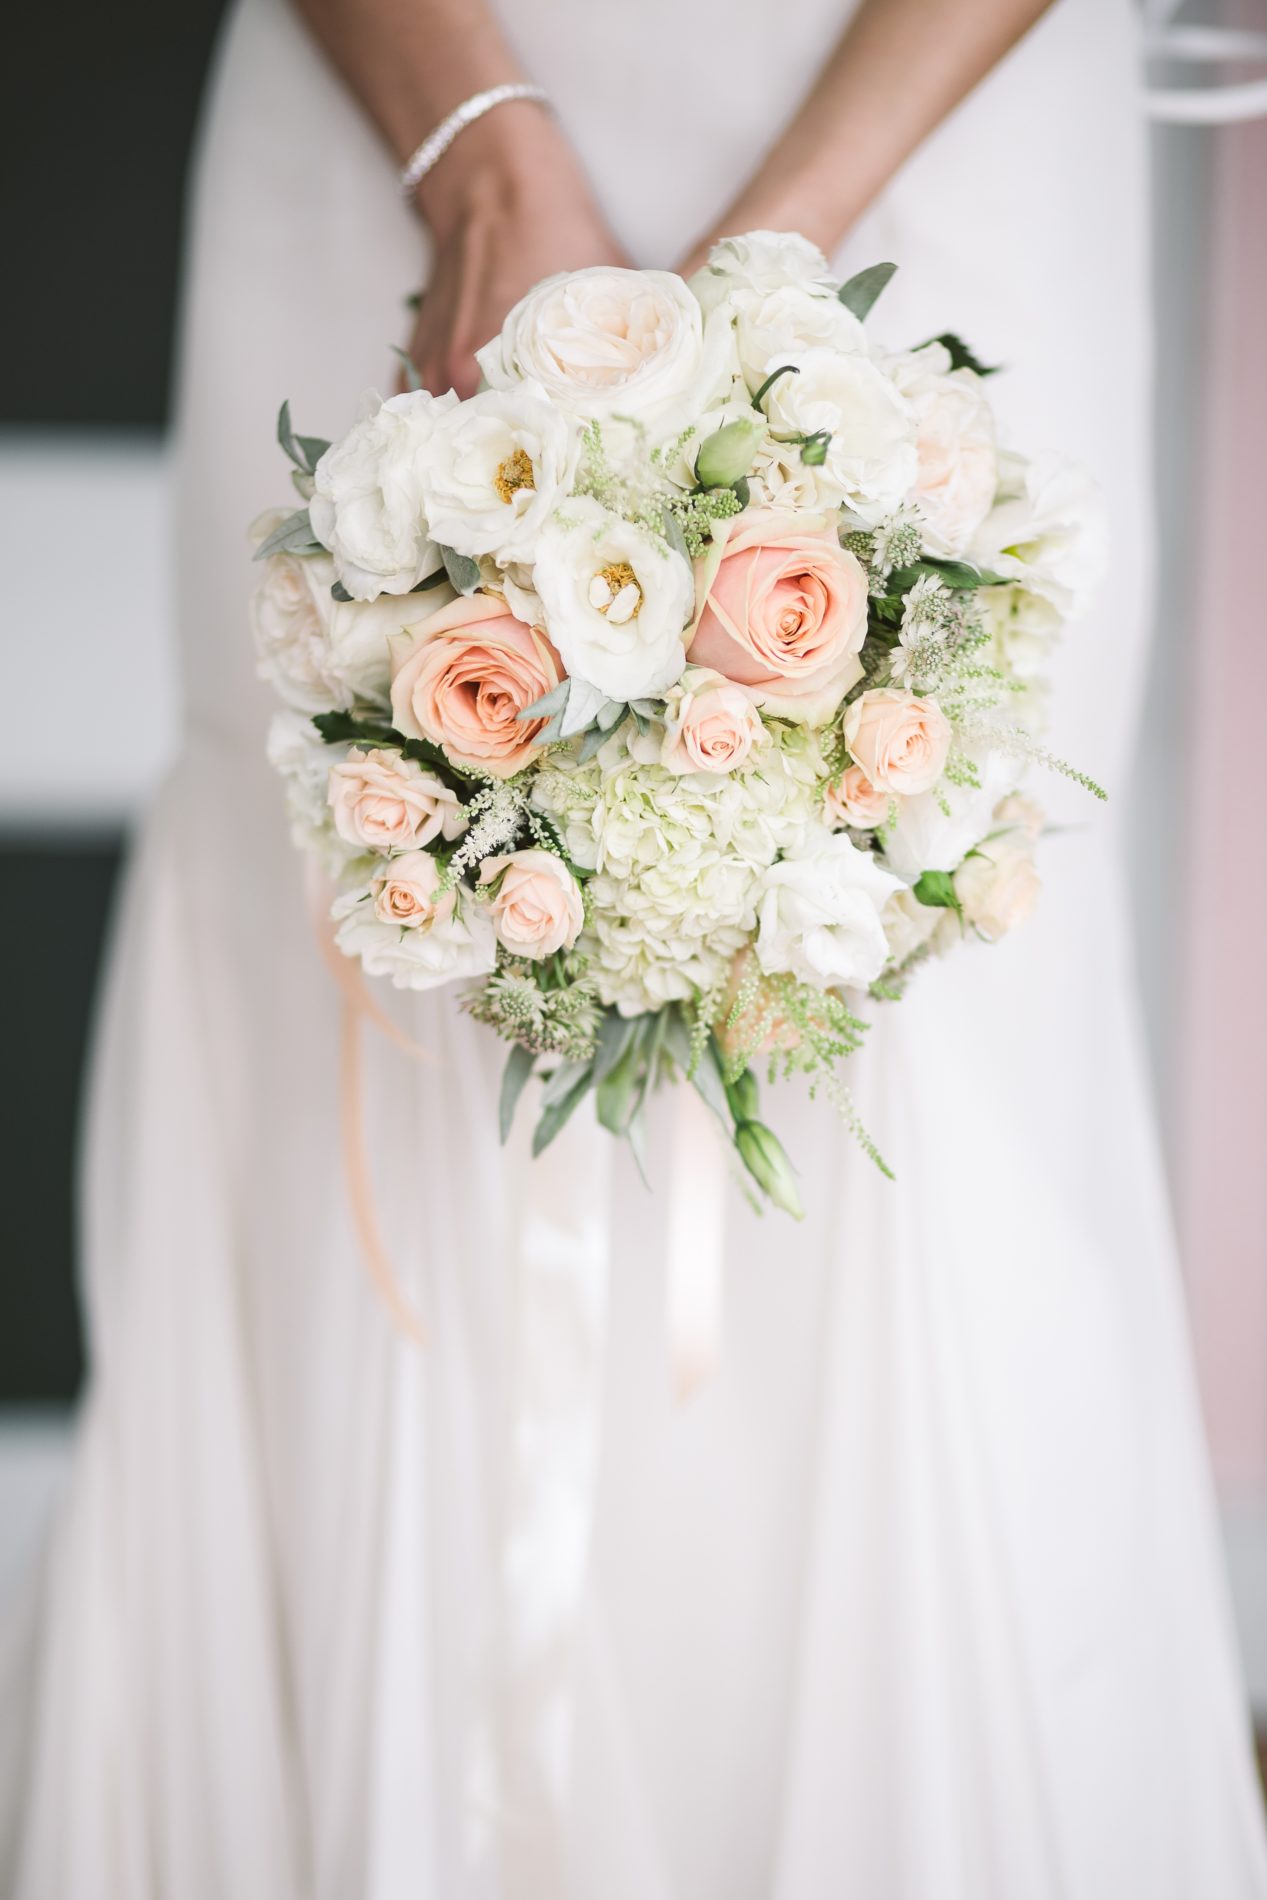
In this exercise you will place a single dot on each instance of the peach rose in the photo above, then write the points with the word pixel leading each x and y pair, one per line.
pixel 537 907
pixel 383 802
pixel 852 799
pixel 710 725
pixel 462 678
pixel 900 741
pixel 781 609
pixel 404 892
pixel 998 886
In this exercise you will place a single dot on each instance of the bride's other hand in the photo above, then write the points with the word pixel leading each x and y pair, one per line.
pixel 506 206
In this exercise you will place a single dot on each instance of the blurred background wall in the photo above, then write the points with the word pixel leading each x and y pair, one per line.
pixel 94 148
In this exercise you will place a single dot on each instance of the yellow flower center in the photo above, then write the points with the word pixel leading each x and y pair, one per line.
pixel 514 473
pixel 615 591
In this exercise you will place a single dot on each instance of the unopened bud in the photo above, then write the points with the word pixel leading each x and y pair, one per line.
pixel 762 1154
pixel 726 456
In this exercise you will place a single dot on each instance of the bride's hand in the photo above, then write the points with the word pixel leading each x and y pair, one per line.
pixel 507 206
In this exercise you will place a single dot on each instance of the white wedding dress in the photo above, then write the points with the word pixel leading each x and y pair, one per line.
pixel 920 1599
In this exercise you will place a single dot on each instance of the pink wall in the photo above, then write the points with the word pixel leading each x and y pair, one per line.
pixel 1220 896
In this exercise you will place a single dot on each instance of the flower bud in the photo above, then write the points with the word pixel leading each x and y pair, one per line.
pixel 726 456
pixel 762 1154
pixel 814 448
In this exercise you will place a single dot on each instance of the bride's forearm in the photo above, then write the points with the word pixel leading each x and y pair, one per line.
pixel 897 70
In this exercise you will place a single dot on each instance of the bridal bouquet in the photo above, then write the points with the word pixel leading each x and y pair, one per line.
pixel 671 694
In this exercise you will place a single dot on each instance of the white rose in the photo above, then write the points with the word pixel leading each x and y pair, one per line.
pixel 955 448
pixel 1046 530
pixel 934 830
pixel 537 906
pixel 397 927
pixel 608 342
pixel 616 601
pixel 819 914
pixel 381 801
pixel 908 925
pixel 870 462
pixel 997 884
pixel 761 261
pixel 775 325
pixel 322 654
pixel 367 508
pixel 494 469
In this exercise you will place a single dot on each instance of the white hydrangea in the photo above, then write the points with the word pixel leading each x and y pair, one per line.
pixel 677 861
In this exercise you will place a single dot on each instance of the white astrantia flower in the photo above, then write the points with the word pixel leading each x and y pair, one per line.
pixel 761 262
pixel 422 942
pixel 367 505
pixel 322 654
pixel 615 600
pixel 1046 530
pixel 677 859
pixel 610 342
pixel 493 470
pixel 870 462
pixel 957 458
pixel 820 912
pixel 298 752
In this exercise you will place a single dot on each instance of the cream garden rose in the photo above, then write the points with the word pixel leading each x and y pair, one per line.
pixel 382 801
pixel 536 906
pixel 899 740
pixel 956 458
pixel 616 601
pixel 367 505
pixel 997 884
pixel 494 469
pixel 710 725
pixel 609 342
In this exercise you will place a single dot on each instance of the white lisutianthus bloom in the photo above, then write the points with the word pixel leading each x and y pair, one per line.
pixel 936 830
pixel 610 342
pixel 677 861
pixel 848 398
pixel 956 453
pixel 367 505
pixel 322 654
pixel 1046 531
pixel 616 601
pixel 908 925
pixel 495 468
pixel 820 912
pixel 402 926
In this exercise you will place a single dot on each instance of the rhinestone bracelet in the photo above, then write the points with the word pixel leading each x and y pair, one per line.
pixel 437 143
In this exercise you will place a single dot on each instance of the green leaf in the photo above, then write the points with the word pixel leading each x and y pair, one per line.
pixel 615 1033
pixel 707 1082
pixel 339 592
pixel 596 738
pixel 937 890
pixel 674 536
pixel 961 357
pixel 860 293
pixel 559 1111
pixel 432 580
pixel 555 701
pixel 519 1066
pixel 743 1096
pixel 618 1096
pixel 292 536
pixel 463 572
pixel 412 379
pixel 305 451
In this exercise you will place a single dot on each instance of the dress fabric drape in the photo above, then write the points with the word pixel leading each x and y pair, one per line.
pixel 921 1596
